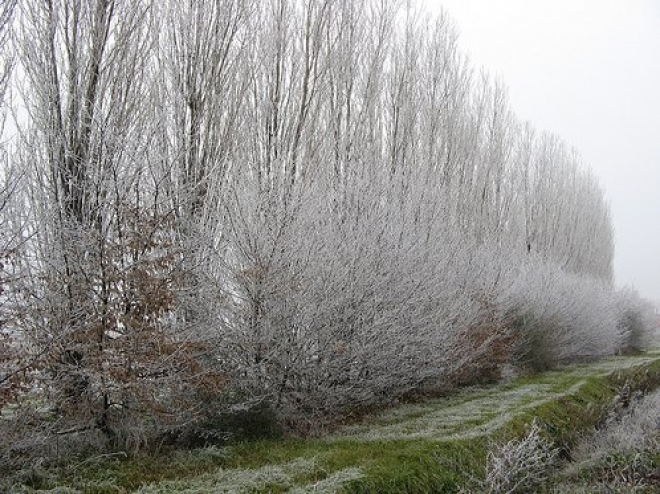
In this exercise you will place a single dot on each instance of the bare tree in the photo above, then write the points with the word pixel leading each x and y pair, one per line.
pixel 6 59
pixel 420 164
pixel 318 204
pixel 107 263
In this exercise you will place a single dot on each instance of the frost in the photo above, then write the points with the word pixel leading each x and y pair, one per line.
pixel 520 466
pixel 475 417
pixel 314 207
pixel 250 480
pixel 330 484
pixel 479 412
pixel 236 481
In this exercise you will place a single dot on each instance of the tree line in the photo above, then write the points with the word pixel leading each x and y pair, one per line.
pixel 317 206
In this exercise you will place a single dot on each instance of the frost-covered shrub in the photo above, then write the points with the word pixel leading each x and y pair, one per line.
pixel 625 452
pixel 637 320
pixel 560 316
pixel 520 466
pixel 344 309
pixel 29 448
pixel 347 309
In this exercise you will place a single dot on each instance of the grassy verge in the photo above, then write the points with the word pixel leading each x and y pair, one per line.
pixel 436 446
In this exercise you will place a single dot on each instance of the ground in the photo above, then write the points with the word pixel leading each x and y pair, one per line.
pixel 440 445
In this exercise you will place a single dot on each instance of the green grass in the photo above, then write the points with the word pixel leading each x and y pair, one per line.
pixel 436 446
pixel 120 473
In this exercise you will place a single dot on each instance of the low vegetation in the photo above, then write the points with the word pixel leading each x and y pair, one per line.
pixel 623 455
pixel 521 465
pixel 441 445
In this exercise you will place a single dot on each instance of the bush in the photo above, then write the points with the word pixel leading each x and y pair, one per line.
pixel 624 453
pixel 560 317
pixel 346 310
pixel 534 345
pixel 636 320
pixel 520 466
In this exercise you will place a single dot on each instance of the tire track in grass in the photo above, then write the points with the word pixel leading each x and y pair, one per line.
pixel 471 413
pixel 481 411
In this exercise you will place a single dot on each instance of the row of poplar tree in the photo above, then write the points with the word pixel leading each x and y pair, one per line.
pixel 316 204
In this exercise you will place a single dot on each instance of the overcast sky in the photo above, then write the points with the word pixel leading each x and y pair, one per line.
pixel 589 71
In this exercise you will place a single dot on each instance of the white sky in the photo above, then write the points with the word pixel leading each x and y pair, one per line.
pixel 589 71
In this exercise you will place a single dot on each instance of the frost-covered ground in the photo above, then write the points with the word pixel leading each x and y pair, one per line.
pixel 476 412
pixel 284 476
pixel 471 413
pixel 622 457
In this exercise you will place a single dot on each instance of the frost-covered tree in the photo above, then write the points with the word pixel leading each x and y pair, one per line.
pixel 368 153
pixel 103 252
pixel 317 204
pixel 6 58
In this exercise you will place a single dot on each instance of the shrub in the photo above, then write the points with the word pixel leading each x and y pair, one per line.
pixel 624 453
pixel 560 317
pixel 520 466
pixel 636 320
pixel 345 310
pixel 222 424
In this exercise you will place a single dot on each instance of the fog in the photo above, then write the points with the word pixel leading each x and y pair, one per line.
pixel 589 72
